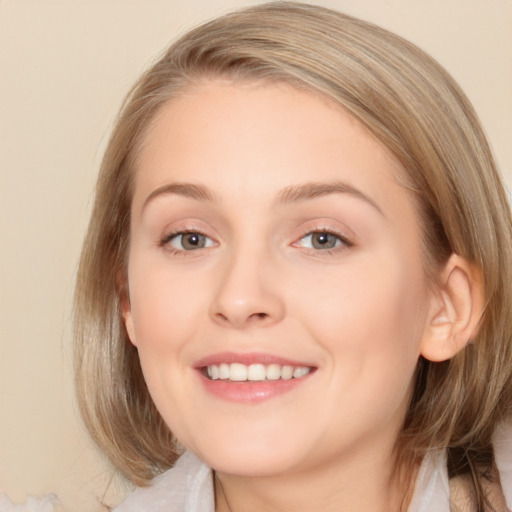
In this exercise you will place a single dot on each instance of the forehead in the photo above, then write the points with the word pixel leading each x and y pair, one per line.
pixel 245 129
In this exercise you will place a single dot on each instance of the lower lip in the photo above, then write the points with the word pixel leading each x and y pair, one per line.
pixel 250 392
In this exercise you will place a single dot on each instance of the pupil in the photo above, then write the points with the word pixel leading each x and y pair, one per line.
pixel 323 240
pixel 193 241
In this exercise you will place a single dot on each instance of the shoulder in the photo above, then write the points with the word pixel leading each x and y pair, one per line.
pixel 431 490
pixel 503 456
pixel 498 488
pixel 186 486
pixel 434 491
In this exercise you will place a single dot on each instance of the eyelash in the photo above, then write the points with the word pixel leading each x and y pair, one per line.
pixel 345 242
pixel 165 241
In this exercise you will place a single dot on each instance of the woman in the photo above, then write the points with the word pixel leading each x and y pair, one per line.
pixel 297 271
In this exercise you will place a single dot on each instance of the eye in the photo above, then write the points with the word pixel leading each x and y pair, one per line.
pixel 323 240
pixel 187 241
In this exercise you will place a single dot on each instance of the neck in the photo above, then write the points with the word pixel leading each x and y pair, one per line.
pixel 367 485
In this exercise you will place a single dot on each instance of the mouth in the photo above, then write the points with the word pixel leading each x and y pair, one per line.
pixel 239 372
pixel 251 378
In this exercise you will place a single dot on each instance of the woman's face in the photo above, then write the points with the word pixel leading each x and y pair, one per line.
pixel 277 296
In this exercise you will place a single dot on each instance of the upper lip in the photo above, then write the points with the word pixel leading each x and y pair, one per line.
pixel 248 359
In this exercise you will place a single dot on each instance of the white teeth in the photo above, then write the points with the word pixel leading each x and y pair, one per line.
pixel 224 371
pixel 238 372
pixel 256 372
pixel 273 372
pixel 287 372
pixel 300 371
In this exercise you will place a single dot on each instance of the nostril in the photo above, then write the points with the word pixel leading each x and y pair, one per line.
pixel 233 319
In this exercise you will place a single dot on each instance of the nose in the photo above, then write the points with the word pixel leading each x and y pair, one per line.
pixel 248 293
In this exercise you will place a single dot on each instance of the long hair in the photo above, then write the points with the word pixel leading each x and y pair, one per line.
pixel 413 106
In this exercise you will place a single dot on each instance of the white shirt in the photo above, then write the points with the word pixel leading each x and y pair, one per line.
pixel 188 486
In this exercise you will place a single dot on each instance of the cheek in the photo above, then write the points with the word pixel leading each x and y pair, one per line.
pixel 164 311
pixel 371 317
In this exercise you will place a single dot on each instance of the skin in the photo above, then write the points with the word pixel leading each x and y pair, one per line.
pixel 360 313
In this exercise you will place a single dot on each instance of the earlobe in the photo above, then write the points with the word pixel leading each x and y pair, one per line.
pixel 128 321
pixel 456 310
pixel 126 309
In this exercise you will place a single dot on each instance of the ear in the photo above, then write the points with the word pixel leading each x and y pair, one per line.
pixel 456 309
pixel 126 307
pixel 128 320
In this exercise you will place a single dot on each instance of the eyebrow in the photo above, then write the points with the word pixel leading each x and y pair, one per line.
pixel 313 190
pixel 191 190
pixel 291 194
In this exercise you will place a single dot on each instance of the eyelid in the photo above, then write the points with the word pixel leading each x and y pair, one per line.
pixel 346 241
pixel 336 234
pixel 171 233
pixel 170 238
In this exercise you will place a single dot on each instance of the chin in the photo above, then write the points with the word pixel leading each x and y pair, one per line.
pixel 254 456
pixel 249 464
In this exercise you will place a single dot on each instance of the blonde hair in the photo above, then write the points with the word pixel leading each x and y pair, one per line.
pixel 411 104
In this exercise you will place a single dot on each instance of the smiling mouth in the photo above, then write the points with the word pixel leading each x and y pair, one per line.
pixel 238 372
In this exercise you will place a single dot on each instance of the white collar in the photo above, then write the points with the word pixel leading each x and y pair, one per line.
pixel 432 489
pixel 188 486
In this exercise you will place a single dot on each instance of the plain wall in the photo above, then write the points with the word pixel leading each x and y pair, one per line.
pixel 65 66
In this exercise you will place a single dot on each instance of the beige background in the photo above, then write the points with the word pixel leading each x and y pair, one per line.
pixel 64 68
